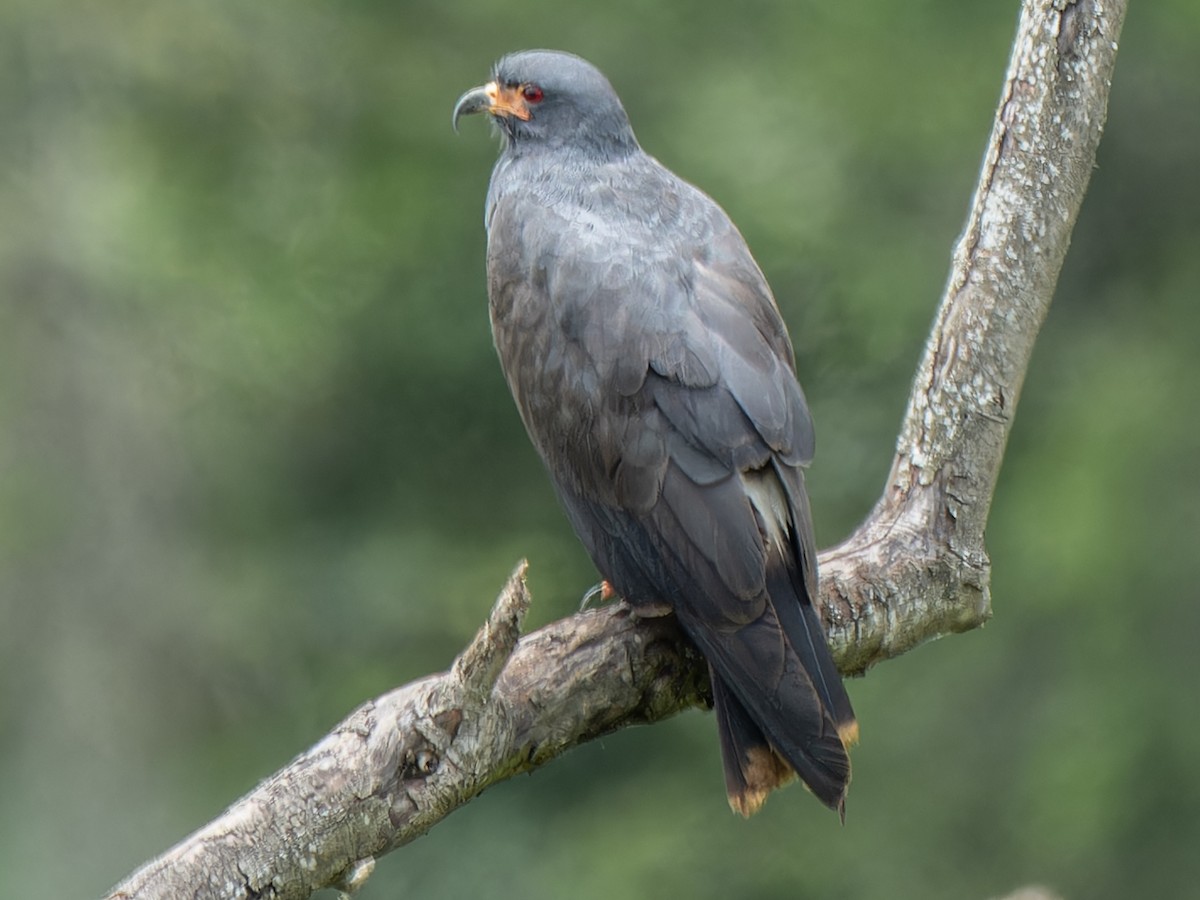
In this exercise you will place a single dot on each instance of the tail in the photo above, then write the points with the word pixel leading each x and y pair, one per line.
pixel 752 767
pixel 781 708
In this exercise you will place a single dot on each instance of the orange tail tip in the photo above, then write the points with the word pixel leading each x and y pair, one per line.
pixel 763 771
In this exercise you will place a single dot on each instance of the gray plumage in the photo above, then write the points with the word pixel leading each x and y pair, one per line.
pixel 655 377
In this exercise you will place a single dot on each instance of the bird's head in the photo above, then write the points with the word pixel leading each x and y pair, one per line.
pixel 545 98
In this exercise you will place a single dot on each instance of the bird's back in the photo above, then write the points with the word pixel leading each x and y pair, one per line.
pixel 601 277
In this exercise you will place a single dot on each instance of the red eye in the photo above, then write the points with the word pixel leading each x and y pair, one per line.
pixel 532 93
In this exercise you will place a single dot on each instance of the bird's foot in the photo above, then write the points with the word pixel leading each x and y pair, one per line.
pixel 604 591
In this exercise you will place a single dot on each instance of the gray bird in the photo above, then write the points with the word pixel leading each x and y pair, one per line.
pixel 656 379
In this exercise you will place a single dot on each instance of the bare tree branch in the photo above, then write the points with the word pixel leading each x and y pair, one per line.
pixel 916 569
pixel 402 762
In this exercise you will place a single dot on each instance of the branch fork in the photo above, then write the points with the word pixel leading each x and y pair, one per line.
pixel 916 569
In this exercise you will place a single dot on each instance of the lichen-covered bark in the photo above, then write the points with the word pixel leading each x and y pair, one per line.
pixel 401 763
pixel 915 569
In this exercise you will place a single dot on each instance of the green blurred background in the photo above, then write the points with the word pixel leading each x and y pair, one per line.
pixel 258 464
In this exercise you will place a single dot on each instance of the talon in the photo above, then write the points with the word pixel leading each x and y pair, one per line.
pixel 603 590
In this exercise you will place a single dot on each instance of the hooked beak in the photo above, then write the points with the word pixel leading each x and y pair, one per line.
pixel 496 99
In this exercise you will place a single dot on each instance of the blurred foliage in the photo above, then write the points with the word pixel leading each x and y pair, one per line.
pixel 257 462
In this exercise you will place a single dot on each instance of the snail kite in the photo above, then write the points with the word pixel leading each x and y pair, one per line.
pixel 656 380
